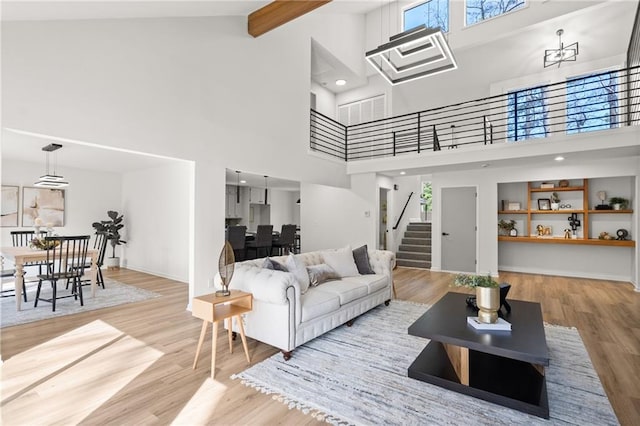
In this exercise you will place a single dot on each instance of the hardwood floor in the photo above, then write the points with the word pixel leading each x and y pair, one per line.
pixel 131 364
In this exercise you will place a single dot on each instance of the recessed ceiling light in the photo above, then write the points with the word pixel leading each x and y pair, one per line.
pixel 403 173
pixel 341 82
pixel 559 158
pixel 243 181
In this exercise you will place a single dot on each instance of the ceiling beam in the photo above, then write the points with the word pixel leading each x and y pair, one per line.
pixel 279 12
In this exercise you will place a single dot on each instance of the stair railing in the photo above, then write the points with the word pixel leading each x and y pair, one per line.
pixel 402 214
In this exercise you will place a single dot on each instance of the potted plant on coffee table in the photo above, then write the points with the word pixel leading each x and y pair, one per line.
pixel 112 228
pixel 487 295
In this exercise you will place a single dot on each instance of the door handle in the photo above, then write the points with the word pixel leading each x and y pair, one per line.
pixel 445 233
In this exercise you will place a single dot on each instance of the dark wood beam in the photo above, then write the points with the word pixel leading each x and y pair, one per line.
pixel 279 12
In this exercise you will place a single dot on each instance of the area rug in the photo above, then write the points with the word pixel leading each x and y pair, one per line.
pixel 114 293
pixel 358 375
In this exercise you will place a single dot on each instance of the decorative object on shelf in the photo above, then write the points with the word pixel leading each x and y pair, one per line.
pixel 226 266
pixel 548 231
pixel 555 201
pixel 574 222
pixel 602 195
pixel 567 233
pixel 562 53
pixel 622 234
pixel 540 230
pixel 565 206
pixel 618 203
pixel 51 180
pixel 544 204
pixel 546 185
pixel 112 228
pixel 513 206
pixel 506 226
pixel 563 183
pixel 513 232
pixel 487 295
pixel 605 236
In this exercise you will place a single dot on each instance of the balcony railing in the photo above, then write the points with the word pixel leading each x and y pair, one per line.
pixel 594 102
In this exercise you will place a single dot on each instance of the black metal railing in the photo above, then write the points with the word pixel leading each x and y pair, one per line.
pixel 593 102
pixel 403 210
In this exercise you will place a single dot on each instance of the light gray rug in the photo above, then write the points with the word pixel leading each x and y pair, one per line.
pixel 358 375
pixel 114 293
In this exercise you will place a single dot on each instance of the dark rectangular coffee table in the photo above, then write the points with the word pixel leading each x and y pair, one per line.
pixel 504 367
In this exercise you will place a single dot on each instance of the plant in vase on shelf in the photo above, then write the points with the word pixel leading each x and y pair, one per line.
pixel 555 201
pixel 112 228
pixel 507 227
pixel 618 203
pixel 487 295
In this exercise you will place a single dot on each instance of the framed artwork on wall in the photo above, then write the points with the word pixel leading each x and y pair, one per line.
pixel 44 203
pixel 9 215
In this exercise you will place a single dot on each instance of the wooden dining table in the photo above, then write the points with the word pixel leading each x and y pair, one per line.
pixel 23 255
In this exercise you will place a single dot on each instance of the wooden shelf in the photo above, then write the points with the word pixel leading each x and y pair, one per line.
pixel 561 240
pixel 558 189
pixel 512 212
pixel 625 211
pixel 564 211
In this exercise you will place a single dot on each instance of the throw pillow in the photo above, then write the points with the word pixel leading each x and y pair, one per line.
pixel 321 273
pixel 361 257
pixel 297 267
pixel 273 265
pixel 341 261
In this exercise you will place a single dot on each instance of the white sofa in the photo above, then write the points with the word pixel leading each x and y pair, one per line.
pixel 285 318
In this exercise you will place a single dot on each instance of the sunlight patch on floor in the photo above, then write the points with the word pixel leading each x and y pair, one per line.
pixel 201 406
pixel 65 379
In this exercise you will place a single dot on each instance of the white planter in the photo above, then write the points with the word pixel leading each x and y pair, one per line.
pixel 112 262
pixel 617 206
pixel 555 206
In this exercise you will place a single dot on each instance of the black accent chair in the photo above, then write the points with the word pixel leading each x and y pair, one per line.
pixel 264 240
pixel 66 263
pixel 286 240
pixel 236 235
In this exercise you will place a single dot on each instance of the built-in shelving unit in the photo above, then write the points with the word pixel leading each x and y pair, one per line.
pixel 578 192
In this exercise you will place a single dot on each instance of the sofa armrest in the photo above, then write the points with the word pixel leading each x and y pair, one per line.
pixel 266 285
pixel 382 261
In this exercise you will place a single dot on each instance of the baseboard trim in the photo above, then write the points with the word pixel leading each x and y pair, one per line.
pixel 160 274
pixel 571 274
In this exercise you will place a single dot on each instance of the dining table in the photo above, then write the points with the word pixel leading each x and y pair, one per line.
pixel 21 256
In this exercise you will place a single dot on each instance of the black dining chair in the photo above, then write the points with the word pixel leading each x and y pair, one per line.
pixel 264 240
pixel 66 259
pixel 236 235
pixel 100 244
pixel 286 240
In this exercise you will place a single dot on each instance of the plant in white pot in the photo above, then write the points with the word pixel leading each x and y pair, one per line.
pixel 618 203
pixel 112 228
pixel 487 295
pixel 555 201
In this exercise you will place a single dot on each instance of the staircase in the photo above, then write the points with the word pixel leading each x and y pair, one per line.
pixel 415 250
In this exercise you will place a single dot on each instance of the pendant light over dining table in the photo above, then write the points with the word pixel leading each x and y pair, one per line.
pixel 51 180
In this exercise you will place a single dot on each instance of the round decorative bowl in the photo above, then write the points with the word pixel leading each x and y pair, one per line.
pixel 42 244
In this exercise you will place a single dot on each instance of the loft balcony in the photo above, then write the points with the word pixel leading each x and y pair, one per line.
pixel 589 113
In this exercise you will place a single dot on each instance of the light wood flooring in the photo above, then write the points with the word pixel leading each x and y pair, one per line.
pixel 131 364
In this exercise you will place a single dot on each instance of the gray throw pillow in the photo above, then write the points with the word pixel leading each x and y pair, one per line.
pixel 321 273
pixel 273 265
pixel 361 257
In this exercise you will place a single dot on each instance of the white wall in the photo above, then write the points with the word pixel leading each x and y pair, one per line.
pixel 88 197
pixel 601 262
pixel 283 205
pixel 325 100
pixel 156 207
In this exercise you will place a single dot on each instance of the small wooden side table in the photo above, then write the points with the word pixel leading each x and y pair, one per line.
pixel 212 308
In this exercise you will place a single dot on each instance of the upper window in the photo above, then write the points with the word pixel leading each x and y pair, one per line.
pixel 432 13
pixel 479 10
pixel 527 115
pixel 592 103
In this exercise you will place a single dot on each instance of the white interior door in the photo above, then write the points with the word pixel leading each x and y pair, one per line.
pixel 459 228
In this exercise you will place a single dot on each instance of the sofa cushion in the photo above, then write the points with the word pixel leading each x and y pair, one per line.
pixel 341 261
pixel 322 273
pixel 272 264
pixel 299 270
pixel 317 303
pixel 372 282
pixel 361 257
pixel 347 291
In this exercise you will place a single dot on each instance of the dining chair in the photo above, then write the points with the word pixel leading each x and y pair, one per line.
pixel 66 261
pixel 23 239
pixel 9 273
pixel 264 240
pixel 236 235
pixel 286 240
pixel 100 244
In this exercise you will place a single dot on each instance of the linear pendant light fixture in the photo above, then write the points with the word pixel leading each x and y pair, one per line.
pixel 562 53
pixel 51 180
pixel 413 54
